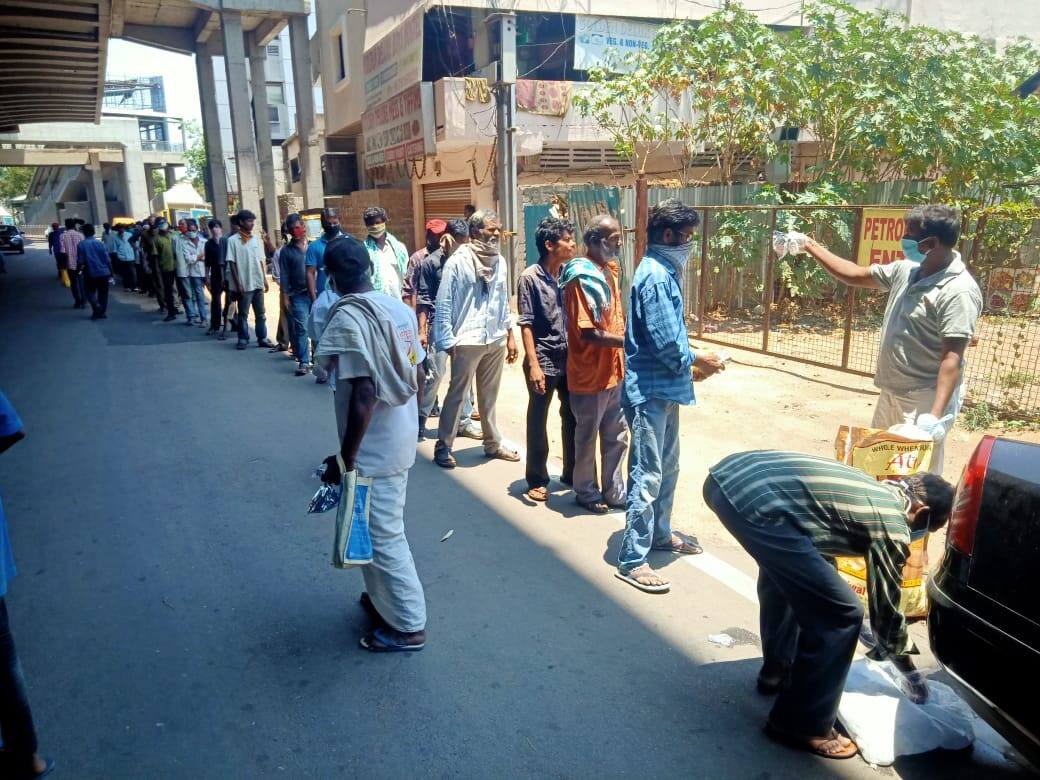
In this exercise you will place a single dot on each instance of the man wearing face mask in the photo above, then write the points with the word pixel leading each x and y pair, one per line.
pixel 215 274
pixel 192 255
pixel 933 306
pixel 389 257
pixel 246 261
pixel 472 323
pixel 316 279
pixel 292 261
pixel 595 368
pixel 431 271
pixel 434 230
pixel 658 380
pixel 793 513
pixel 166 261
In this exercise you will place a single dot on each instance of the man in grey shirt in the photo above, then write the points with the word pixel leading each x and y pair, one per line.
pixel 933 305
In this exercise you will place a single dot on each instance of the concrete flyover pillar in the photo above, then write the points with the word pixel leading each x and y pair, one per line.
pixel 310 154
pixel 136 184
pixel 149 184
pixel 261 121
pixel 216 177
pixel 97 190
pixel 238 102
pixel 171 175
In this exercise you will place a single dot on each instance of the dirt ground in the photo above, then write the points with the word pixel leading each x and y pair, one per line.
pixel 759 402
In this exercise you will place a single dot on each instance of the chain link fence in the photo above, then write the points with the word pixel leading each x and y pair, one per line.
pixel 740 294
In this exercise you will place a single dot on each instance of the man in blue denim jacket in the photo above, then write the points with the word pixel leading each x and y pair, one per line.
pixel 659 365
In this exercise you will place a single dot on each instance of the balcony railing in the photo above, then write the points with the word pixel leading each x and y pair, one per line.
pixel 162 146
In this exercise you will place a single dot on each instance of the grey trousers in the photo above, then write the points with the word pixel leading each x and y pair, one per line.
pixel 809 617
pixel 484 363
pixel 435 373
pixel 599 415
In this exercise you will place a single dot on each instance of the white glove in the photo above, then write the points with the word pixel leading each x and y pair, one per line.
pixel 934 426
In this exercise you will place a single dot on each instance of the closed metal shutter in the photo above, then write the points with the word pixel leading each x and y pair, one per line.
pixel 445 200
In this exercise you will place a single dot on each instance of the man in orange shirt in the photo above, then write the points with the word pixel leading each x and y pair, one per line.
pixel 595 365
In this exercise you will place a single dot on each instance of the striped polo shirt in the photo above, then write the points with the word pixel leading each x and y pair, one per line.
pixel 842 509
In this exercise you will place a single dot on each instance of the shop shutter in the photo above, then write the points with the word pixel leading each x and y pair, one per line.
pixel 446 200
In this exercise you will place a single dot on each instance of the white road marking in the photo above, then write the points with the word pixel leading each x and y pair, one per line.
pixel 716 568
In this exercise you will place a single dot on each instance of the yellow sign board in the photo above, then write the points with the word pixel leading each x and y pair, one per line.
pixel 880 232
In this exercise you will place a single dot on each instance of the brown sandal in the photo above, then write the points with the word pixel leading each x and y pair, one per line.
pixel 538 494
pixel 806 743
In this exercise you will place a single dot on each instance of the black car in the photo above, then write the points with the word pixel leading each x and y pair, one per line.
pixel 12 239
pixel 984 621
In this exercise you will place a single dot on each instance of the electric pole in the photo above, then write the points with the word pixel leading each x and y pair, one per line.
pixel 505 109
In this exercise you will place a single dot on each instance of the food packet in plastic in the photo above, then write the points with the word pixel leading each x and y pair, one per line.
pixel 327 496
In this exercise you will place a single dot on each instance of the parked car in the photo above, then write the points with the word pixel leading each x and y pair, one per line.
pixel 984 621
pixel 12 239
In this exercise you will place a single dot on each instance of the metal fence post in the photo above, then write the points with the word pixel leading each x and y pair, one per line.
pixel 702 282
pixel 767 283
pixel 850 295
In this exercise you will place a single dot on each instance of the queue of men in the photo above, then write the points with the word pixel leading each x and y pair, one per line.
pixel 385 330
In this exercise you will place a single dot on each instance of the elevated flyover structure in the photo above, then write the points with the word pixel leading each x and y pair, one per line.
pixel 52 70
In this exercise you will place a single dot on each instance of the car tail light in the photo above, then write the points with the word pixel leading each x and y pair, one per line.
pixel 965 516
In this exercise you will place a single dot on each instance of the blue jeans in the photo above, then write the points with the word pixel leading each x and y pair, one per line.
pixel 16 721
pixel 299 309
pixel 196 302
pixel 653 472
pixel 254 298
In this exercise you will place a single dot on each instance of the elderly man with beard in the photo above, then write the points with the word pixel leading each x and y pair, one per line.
pixel 474 326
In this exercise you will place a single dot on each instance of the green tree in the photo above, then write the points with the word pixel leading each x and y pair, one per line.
pixel 195 155
pixel 714 86
pixel 14 182
pixel 158 181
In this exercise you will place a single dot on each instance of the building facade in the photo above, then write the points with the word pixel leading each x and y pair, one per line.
pixel 407 88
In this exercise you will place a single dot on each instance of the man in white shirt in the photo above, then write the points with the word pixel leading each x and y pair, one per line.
pixel 472 323
pixel 389 257
pixel 371 344
pixel 192 253
pixel 246 263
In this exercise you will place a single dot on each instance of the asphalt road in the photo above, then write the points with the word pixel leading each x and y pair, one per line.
pixel 177 615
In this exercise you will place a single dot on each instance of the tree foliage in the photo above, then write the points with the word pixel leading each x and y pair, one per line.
pixel 883 99
pixel 14 182
pixel 714 86
pixel 195 155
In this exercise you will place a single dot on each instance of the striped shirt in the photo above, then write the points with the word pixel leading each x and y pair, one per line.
pixel 842 509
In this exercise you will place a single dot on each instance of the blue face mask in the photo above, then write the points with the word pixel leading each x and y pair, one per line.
pixel 912 250
pixel 678 254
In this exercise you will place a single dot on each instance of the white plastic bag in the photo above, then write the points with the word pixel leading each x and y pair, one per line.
pixel 792 243
pixel 886 724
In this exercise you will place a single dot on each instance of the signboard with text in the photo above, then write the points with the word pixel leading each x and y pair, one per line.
pixel 880 233
pixel 394 62
pixel 399 129
pixel 599 40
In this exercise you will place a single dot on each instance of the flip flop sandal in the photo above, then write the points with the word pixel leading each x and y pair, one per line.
pixel 637 584
pixel 596 507
pixel 503 454
pixel 688 546
pixel 538 494
pixel 802 743
pixel 379 642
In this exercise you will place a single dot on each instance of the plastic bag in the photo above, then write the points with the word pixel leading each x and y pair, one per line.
pixel 886 724
pixel 327 496
pixel 792 243
pixel 65 280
